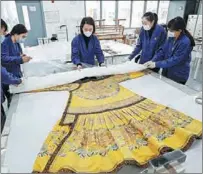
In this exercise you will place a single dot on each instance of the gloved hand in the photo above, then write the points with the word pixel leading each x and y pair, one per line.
pixel 150 64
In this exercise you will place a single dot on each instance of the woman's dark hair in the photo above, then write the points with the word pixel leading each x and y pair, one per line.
pixel 18 29
pixel 87 20
pixel 151 17
pixel 155 18
pixel 4 25
pixel 177 24
pixel 165 27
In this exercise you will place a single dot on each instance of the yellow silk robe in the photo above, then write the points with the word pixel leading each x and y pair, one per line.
pixel 105 125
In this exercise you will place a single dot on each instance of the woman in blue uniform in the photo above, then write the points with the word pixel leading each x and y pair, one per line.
pixel 11 52
pixel 12 56
pixel 152 37
pixel 175 55
pixel 86 45
pixel 6 79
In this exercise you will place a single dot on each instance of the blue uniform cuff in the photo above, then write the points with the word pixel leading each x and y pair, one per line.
pixel 158 64
pixel 20 60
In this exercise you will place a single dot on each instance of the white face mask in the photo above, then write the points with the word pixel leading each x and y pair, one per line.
pixel 171 34
pixel 22 40
pixel 87 33
pixel 146 27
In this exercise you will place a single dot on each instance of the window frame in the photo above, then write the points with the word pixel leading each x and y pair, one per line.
pixel 131 10
pixel 101 10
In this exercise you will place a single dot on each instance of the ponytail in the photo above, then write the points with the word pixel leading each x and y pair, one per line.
pixel 187 33
pixel 155 18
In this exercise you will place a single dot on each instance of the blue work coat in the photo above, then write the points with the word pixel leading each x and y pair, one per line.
pixel 10 56
pixel 148 45
pixel 80 53
pixel 174 57
pixel 8 79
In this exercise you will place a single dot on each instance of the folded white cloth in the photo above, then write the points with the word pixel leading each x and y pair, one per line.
pixel 34 83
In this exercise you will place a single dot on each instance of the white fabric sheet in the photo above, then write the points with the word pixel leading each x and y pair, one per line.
pixel 33 83
pixel 35 116
pixel 44 68
pixel 51 51
pixel 49 58
pixel 117 47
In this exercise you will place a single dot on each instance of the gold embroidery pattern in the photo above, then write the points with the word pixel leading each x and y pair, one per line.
pixel 127 127
pixel 118 104
pixel 95 90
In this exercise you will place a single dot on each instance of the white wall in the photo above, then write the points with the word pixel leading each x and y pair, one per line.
pixel 176 8
pixel 9 13
pixel 70 12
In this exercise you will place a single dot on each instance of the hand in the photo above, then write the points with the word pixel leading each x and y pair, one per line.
pixel 150 64
pixel 26 59
pixel 79 67
pixel 147 64
pixel 21 81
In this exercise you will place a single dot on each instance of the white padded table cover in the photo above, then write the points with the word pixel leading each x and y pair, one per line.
pixel 44 68
pixel 32 120
pixel 37 113
pixel 51 51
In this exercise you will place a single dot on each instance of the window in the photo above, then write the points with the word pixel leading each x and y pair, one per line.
pixel 124 12
pixel 163 12
pixel 108 12
pixel 9 13
pixel 137 13
pixel 93 9
pixel 152 6
pixel 26 17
